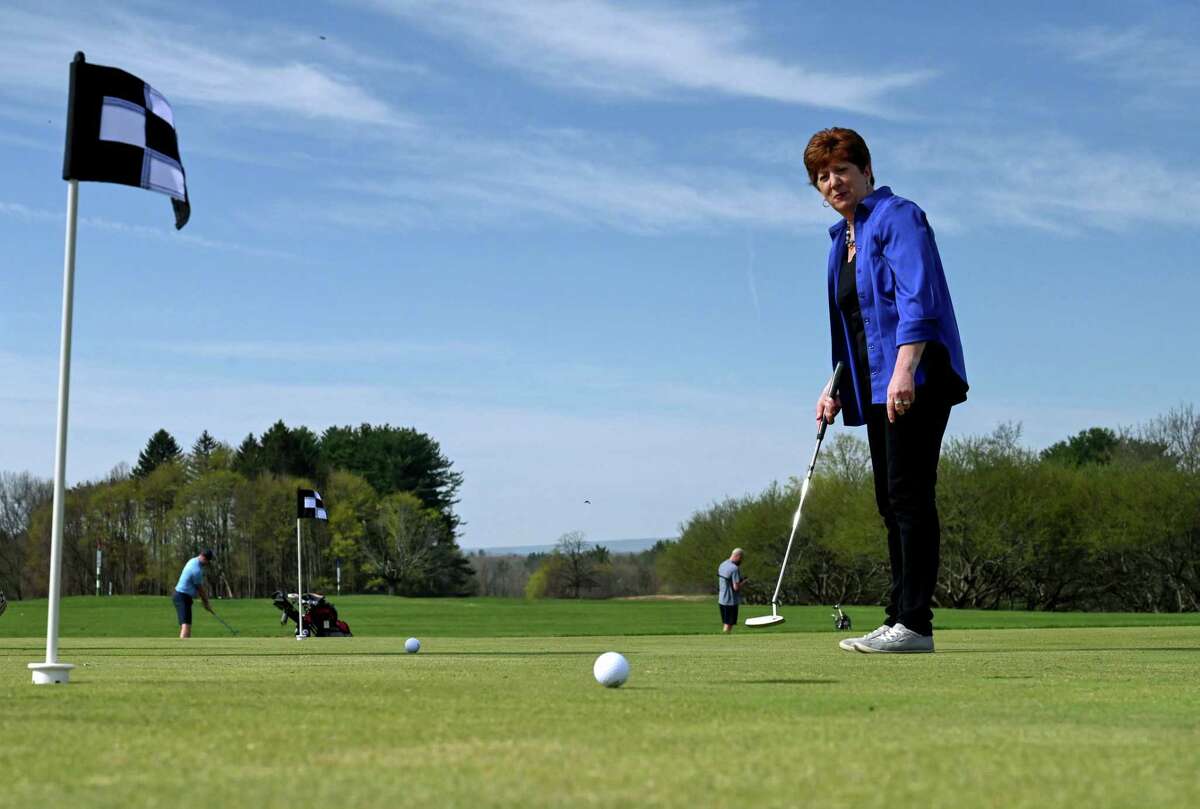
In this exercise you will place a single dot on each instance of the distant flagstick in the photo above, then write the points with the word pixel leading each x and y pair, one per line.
pixel 93 151
pixel 299 587
pixel 309 505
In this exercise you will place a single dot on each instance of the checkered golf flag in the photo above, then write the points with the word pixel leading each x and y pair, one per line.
pixel 309 505
pixel 122 130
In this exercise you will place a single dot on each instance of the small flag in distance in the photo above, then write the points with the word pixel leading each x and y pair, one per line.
pixel 309 505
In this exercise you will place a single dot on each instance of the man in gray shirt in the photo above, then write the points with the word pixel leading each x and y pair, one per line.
pixel 729 589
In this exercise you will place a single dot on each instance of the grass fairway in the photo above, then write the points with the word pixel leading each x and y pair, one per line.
pixel 1086 716
pixel 382 616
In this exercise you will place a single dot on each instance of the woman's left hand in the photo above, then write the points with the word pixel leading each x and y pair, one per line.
pixel 901 393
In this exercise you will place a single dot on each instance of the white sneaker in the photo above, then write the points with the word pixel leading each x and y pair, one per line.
pixel 848 643
pixel 897 640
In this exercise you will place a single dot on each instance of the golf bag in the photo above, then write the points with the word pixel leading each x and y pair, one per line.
pixel 841 621
pixel 320 617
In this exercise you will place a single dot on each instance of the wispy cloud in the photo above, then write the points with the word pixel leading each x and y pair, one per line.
pixel 750 256
pixel 343 352
pixel 1139 55
pixel 619 183
pixel 215 66
pixel 24 213
pixel 1044 179
pixel 190 239
pixel 1048 180
pixel 643 50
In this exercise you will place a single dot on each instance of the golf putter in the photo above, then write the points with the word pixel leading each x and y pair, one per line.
pixel 774 618
pixel 222 622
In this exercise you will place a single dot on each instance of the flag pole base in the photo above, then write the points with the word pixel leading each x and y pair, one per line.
pixel 51 673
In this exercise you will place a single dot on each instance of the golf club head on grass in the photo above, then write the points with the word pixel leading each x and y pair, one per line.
pixel 222 622
pixel 765 620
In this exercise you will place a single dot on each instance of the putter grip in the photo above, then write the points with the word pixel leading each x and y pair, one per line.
pixel 832 387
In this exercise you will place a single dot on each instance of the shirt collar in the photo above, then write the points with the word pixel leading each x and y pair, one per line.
pixel 866 204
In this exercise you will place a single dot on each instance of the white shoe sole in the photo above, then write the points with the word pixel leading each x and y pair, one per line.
pixel 867 650
pixel 847 644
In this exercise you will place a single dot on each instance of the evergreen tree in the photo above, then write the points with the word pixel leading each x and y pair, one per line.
pixel 295 452
pixel 201 460
pixel 246 459
pixel 160 449
pixel 204 446
pixel 396 459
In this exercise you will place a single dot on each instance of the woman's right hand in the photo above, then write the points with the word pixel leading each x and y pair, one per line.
pixel 827 408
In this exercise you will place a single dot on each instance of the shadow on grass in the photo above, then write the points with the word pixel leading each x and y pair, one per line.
pixel 169 653
pixel 505 654
pixel 1013 650
pixel 795 681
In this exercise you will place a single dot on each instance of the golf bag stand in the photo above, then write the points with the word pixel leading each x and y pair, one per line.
pixel 320 618
pixel 841 621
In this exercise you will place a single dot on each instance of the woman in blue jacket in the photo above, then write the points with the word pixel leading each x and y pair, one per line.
pixel 892 323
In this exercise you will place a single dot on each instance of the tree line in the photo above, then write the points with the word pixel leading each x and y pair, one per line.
pixel 390 493
pixel 1104 520
pixel 573 569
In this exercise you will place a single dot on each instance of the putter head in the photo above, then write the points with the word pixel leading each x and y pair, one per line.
pixel 766 620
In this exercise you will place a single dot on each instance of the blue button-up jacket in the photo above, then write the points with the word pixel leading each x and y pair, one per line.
pixel 902 293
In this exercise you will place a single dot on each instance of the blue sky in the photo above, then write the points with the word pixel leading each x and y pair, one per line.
pixel 573 241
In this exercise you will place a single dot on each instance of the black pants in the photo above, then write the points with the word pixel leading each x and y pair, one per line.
pixel 183 607
pixel 904 458
pixel 729 614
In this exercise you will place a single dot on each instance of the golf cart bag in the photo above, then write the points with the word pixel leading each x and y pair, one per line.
pixel 320 617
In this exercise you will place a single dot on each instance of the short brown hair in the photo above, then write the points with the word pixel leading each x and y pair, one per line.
pixel 835 145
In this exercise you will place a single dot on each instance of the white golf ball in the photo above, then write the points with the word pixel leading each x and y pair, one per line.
pixel 412 646
pixel 611 670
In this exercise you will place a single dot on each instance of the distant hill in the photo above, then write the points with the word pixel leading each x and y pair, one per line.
pixel 615 546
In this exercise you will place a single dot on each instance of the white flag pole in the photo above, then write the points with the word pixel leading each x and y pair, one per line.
pixel 299 588
pixel 52 671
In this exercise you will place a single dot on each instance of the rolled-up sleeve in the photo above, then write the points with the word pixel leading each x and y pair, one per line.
pixel 911 255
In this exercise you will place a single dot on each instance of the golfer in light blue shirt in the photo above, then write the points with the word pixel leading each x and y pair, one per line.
pixel 191 584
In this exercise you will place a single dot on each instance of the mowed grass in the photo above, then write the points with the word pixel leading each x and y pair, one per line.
pixel 1085 716
pixel 376 616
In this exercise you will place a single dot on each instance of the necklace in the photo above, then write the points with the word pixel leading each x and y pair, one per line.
pixel 849 235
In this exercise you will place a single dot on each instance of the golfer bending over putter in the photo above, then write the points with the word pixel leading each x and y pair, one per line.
pixel 892 323
pixel 191 584
pixel 729 589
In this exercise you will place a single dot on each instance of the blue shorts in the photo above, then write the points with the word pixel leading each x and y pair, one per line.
pixel 728 613
pixel 183 607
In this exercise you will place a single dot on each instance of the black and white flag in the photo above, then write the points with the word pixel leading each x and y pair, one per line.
pixel 309 505
pixel 122 130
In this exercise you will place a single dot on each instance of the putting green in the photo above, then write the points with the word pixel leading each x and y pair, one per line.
pixel 1005 718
